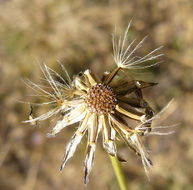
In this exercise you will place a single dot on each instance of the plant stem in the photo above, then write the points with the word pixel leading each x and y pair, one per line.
pixel 112 75
pixel 119 173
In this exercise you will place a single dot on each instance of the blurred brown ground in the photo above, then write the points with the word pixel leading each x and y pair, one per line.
pixel 78 33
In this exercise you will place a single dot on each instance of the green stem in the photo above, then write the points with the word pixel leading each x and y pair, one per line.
pixel 119 173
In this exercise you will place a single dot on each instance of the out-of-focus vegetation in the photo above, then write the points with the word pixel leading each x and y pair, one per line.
pixel 78 34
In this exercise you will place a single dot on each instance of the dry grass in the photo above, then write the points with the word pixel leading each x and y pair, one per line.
pixel 78 33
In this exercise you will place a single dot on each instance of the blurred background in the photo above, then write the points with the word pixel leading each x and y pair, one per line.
pixel 78 34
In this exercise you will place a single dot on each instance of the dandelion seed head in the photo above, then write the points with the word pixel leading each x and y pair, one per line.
pixel 102 106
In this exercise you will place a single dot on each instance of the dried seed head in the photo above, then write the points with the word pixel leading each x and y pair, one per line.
pixel 101 99
pixel 101 107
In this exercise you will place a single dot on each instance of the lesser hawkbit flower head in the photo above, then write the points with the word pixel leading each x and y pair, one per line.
pixel 102 106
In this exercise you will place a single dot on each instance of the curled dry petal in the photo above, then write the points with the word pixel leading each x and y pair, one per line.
pixel 72 117
pixel 70 149
pixel 89 161
pixel 136 141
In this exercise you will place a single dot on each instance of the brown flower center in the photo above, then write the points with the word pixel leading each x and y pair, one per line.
pixel 101 99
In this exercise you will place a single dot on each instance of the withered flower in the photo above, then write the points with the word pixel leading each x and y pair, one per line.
pixel 102 105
